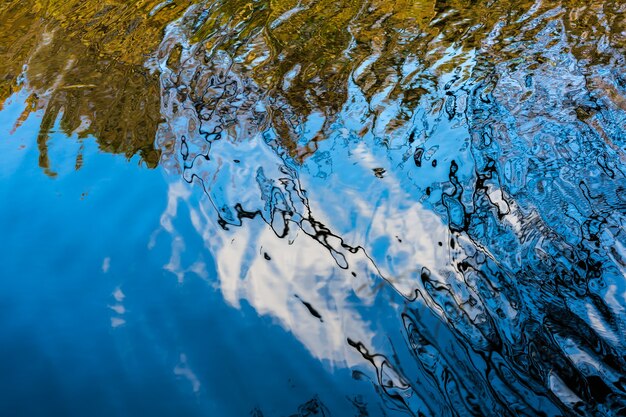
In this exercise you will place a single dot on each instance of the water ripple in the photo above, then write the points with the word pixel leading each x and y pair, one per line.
pixel 451 172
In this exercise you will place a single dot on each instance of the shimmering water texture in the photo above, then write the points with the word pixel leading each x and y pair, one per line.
pixel 410 207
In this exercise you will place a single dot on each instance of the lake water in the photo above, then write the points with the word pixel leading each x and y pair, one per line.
pixel 312 208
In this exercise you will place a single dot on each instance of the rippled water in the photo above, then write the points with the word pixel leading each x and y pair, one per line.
pixel 346 208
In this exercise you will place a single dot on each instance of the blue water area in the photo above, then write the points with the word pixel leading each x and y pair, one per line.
pixel 91 321
pixel 322 209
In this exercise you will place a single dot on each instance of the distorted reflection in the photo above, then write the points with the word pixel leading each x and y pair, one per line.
pixel 430 194
pixel 468 158
pixel 82 63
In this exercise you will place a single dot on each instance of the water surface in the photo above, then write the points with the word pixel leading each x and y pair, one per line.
pixel 313 208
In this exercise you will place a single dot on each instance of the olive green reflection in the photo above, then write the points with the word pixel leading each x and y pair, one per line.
pixel 85 58
pixel 306 53
pixel 84 66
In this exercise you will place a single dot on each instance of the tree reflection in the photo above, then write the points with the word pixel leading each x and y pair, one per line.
pixel 82 61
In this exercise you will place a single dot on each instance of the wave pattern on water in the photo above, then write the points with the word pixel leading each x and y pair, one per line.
pixel 454 171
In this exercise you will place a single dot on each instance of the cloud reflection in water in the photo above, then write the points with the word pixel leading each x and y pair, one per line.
pixel 463 219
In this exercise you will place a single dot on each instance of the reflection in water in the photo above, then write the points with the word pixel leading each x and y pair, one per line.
pixel 457 167
pixel 83 65
pixel 430 194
